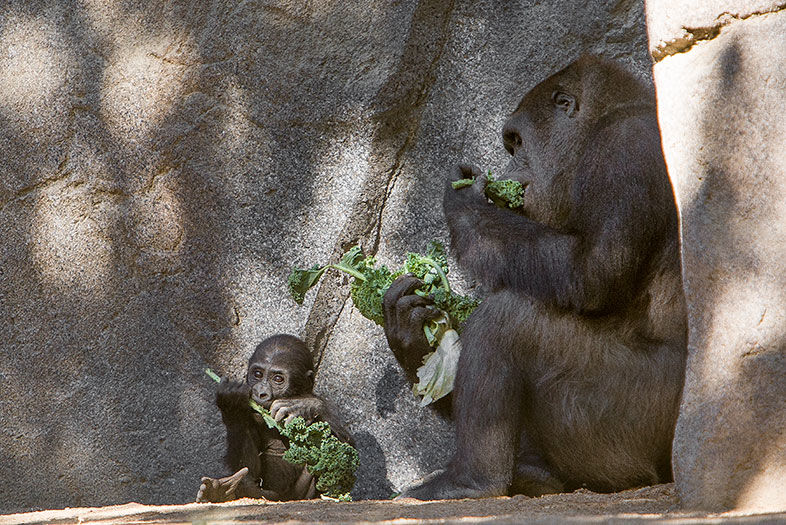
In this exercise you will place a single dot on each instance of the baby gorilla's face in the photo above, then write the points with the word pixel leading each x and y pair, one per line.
pixel 270 378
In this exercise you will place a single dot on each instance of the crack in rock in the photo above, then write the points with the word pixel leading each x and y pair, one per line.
pixel 694 35
pixel 399 105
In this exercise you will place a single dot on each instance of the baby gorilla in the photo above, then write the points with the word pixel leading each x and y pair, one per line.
pixel 280 378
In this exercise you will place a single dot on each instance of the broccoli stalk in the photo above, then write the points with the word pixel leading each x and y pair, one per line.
pixel 369 287
pixel 302 280
pixel 327 458
pixel 462 183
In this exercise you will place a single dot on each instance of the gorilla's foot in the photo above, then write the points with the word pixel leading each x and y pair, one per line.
pixel 441 484
pixel 219 490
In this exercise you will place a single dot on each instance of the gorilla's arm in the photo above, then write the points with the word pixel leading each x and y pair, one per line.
pixel 243 431
pixel 593 264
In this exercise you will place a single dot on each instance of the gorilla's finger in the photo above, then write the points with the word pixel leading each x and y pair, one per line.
pixel 419 316
pixel 404 308
pixel 404 285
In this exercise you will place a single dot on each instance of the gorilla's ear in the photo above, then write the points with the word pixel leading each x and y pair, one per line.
pixel 565 102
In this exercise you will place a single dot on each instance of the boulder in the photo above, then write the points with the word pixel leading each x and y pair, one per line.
pixel 721 98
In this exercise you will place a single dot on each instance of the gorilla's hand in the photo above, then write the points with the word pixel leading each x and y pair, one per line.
pixel 468 196
pixel 307 407
pixel 405 312
pixel 232 397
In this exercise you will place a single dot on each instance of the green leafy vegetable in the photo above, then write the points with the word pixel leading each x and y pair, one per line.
pixel 438 372
pixel 458 306
pixel 326 457
pixel 462 183
pixel 369 287
pixel 300 281
pixel 504 193
pixel 367 293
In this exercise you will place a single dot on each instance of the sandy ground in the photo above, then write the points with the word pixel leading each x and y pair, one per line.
pixel 651 504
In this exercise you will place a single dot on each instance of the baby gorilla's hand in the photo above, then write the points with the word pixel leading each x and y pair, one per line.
pixel 307 407
pixel 232 397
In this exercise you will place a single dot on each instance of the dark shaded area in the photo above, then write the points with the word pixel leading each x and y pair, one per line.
pixel 390 380
pixel 372 480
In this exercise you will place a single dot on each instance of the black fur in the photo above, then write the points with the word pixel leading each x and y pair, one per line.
pixel 280 378
pixel 572 368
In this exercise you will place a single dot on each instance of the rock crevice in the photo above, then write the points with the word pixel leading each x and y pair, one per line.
pixel 691 36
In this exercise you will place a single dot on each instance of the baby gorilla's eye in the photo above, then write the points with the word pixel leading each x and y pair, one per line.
pixel 258 374
pixel 278 378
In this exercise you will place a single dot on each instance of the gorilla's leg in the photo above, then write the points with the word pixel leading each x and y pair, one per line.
pixel 532 476
pixel 547 400
pixel 487 412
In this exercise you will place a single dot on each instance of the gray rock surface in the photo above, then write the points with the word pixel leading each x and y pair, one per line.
pixel 721 110
pixel 163 164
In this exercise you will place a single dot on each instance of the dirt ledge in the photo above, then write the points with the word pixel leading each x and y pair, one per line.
pixel 650 504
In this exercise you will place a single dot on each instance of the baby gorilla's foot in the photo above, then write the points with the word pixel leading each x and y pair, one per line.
pixel 214 490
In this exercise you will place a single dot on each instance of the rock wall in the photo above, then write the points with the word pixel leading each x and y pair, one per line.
pixel 721 83
pixel 164 163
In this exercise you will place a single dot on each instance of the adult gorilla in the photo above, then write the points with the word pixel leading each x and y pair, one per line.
pixel 572 367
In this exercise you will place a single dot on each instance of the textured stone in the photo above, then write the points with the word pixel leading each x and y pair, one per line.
pixel 674 26
pixel 721 113
pixel 163 164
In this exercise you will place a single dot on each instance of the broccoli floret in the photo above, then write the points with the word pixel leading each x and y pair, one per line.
pixel 327 458
pixel 367 293
pixel 314 446
pixel 504 193
pixel 431 268
pixel 335 469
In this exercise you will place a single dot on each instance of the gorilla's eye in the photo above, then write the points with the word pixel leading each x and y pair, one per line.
pixel 563 101
pixel 258 374
pixel 278 378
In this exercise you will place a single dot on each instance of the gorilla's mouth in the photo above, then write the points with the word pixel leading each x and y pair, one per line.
pixel 265 403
